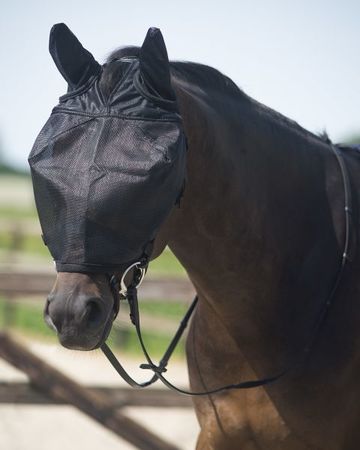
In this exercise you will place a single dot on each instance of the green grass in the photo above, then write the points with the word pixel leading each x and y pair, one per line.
pixel 170 310
pixel 166 265
pixel 15 213
pixel 127 342
pixel 35 245
pixel 27 318
pixel 28 244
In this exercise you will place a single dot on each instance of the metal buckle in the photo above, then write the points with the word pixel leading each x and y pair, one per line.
pixel 138 277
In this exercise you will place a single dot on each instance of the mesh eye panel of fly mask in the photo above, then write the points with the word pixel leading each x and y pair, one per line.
pixel 107 169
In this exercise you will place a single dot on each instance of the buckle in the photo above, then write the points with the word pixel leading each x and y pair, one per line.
pixel 139 274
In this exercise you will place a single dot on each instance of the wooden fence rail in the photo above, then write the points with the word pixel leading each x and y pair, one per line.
pixel 118 397
pixel 27 284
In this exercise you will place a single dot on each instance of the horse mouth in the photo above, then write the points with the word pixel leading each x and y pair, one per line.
pixel 105 334
pixel 76 336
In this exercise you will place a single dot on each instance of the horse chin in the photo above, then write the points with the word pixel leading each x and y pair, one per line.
pixel 71 340
pixel 104 335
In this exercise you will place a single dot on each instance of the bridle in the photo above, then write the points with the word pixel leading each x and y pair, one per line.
pixel 129 293
pixel 119 288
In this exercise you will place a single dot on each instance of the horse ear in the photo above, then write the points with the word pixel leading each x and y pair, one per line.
pixel 74 62
pixel 154 64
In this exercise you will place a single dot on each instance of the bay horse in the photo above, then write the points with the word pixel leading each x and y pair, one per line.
pixel 260 232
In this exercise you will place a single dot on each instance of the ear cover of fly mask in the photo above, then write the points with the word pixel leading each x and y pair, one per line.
pixel 154 64
pixel 75 63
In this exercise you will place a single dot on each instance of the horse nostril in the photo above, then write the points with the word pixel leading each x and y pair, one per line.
pixel 93 313
pixel 47 318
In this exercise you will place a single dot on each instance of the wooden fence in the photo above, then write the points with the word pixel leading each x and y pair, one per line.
pixel 49 386
pixel 27 284
pixel 94 402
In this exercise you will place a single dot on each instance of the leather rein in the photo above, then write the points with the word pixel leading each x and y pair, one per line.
pixel 129 293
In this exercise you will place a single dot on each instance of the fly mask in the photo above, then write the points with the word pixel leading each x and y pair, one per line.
pixel 107 168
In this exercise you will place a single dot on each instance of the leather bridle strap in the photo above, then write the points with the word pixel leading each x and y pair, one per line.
pixel 161 368
pixel 164 360
pixel 131 295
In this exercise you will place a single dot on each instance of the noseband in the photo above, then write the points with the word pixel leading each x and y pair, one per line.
pixel 129 293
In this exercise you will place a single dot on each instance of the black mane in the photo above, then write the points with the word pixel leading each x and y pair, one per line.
pixel 200 74
pixel 209 79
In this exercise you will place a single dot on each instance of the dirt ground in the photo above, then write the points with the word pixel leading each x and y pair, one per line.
pixel 24 427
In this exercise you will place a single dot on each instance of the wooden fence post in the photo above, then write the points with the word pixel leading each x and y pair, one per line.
pixel 60 387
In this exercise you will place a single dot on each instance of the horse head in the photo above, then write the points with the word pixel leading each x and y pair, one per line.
pixel 107 169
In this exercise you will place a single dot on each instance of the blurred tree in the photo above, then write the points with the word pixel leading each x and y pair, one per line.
pixel 354 139
pixel 6 168
pixel 2 163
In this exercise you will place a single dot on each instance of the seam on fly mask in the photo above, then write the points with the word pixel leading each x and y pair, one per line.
pixel 59 109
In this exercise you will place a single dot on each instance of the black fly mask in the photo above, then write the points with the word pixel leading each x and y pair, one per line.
pixel 108 167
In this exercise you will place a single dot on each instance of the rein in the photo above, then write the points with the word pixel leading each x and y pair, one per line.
pixel 122 292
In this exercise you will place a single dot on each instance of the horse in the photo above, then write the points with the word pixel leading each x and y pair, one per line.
pixel 260 230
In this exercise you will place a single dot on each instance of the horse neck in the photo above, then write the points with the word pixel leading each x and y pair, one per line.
pixel 255 231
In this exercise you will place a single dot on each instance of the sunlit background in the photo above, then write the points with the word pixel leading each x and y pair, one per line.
pixel 300 58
